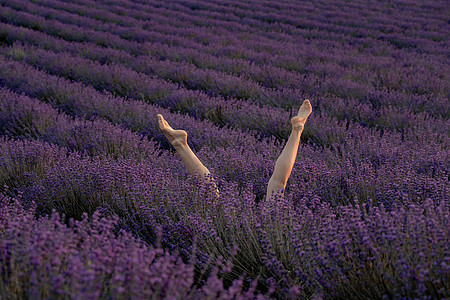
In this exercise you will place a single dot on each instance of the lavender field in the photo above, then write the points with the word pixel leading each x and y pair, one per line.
pixel 96 204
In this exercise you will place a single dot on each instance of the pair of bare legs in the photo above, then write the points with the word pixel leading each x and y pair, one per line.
pixel 283 166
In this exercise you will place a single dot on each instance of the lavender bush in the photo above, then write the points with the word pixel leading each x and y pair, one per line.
pixel 90 259
pixel 96 204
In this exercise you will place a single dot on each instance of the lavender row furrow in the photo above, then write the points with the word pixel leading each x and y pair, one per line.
pixel 387 114
pixel 388 80
pixel 210 81
pixel 203 12
pixel 291 50
pixel 26 118
pixel 345 88
pixel 132 47
pixel 24 17
pixel 79 100
pixel 308 22
pixel 127 83
pixel 290 22
pixel 22 117
pixel 88 137
pixel 68 32
pixel 256 172
pixel 84 23
pixel 234 113
pixel 335 136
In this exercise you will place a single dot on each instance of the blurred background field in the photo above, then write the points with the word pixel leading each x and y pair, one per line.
pixel 96 204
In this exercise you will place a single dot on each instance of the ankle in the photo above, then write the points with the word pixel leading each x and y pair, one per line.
pixel 298 127
pixel 179 145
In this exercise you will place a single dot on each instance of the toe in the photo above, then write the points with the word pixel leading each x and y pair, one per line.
pixel 162 122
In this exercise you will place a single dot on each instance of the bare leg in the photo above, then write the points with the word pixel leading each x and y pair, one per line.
pixel 285 162
pixel 178 139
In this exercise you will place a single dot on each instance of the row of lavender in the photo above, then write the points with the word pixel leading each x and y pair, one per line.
pixel 340 249
pixel 333 47
pixel 427 130
pixel 403 249
pixel 128 83
pixel 290 24
pixel 377 155
pixel 182 21
pixel 325 81
pixel 120 267
pixel 346 177
pixel 341 109
pixel 53 178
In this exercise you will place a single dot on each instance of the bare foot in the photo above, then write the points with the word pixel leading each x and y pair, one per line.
pixel 299 121
pixel 175 137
